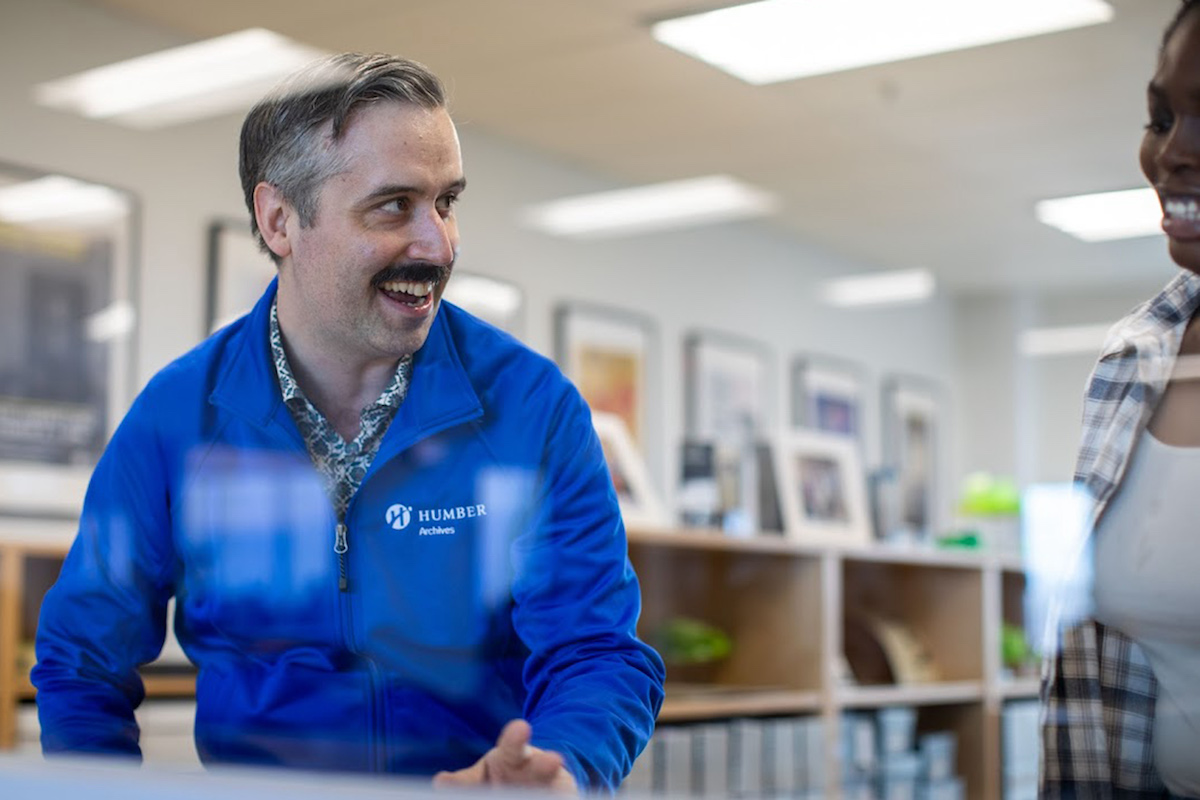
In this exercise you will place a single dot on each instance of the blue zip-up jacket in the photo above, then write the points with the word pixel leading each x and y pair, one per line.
pixel 486 569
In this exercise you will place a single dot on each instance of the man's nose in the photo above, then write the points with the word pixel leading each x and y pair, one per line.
pixel 435 238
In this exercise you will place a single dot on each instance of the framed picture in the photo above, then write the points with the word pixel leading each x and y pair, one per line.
pixel 606 353
pixel 67 320
pixel 911 430
pixel 824 491
pixel 640 504
pixel 727 388
pixel 493 300
pixel 732 488
pixel 238 273
pixel 827 395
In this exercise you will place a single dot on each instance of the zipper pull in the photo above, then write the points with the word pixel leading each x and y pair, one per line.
pixel 340 546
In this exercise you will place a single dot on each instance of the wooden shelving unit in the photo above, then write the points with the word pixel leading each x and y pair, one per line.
pixel 28 567
pixel 786 607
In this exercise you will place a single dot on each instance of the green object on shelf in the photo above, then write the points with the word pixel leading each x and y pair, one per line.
pixel 964 540
pixel 689 641
pixel 984 495
pixel 1015 651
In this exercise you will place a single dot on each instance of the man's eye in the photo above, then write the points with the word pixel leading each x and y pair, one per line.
pixel 397 206
pixel 447 201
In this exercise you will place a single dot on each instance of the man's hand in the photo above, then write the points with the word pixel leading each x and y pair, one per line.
pixel 513 762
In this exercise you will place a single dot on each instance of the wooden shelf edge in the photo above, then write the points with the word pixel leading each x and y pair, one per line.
pixel 683 705
pixel 947 693
pixel 717 541
pixel 700 539
pixel 1020 688
pixel 182 685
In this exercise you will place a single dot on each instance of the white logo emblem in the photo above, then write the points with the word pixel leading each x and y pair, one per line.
pixel 399 516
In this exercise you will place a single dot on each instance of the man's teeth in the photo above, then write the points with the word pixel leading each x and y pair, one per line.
pixel 408 287
pixel 1186 209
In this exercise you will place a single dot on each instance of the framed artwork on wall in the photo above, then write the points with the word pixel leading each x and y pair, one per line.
pixel 606 352
pixel 824 491
pixel 827 395
pixel 500 302
pixel 912 421
pixel 640 504
pixel 238 273
pixel 727 385
pixel 67 321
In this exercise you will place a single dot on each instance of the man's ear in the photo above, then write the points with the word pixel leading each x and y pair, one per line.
pixel 272 213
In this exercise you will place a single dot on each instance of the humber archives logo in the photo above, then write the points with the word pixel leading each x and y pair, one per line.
pixel 399 516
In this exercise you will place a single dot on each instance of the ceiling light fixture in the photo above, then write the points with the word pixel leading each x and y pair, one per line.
pixel 1105 216
pixel 660 206
pixel 484 294
pixel 777 40
pixel 58 198
pixel 203 79
pixel 896 287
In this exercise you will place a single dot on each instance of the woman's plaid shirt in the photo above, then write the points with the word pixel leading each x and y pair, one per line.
pixel 1098 691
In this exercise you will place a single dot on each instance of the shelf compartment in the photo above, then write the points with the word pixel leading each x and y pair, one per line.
pixel 767 601
pixel 937 606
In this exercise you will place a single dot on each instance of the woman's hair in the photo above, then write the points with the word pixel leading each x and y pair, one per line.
pixel 287 138
pixel 1185 8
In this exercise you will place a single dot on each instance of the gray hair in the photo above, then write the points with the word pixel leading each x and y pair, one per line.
pixel 287 138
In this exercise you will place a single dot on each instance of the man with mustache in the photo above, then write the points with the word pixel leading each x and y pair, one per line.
pixel 388 527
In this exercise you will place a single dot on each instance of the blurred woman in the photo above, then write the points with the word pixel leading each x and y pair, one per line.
pixel 1121 695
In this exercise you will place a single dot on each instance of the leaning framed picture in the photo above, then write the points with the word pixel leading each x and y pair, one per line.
pixel 823 489
pixel 606 352
pixel 67 324
pixel 727 387
pixel 641 505
pixel 912 422
pixel 500 302
pixel 238 273
pixel 827 395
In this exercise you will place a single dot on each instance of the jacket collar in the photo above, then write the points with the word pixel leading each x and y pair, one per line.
pixel 440 394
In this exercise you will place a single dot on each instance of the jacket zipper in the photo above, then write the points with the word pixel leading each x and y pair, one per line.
pixel 375 747
pixel 340 545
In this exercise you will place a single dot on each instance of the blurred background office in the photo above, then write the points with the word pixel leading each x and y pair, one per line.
pixel 857 280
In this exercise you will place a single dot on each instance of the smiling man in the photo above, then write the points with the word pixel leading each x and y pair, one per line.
pixel 389 528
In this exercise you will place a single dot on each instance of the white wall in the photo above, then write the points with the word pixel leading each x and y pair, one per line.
pixel 742 278
pixel 1018 415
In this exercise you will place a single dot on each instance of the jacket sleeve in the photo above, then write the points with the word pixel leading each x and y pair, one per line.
pixel 594 689
pixel 1098 700
pixel 106 613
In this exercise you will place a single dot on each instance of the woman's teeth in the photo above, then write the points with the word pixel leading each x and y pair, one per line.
pixel 408 287
pixel 1187 209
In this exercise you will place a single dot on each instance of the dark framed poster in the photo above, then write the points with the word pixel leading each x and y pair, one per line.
pixel 913 410
pixel 67 322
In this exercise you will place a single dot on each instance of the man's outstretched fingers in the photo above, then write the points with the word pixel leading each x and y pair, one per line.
pixel 513 745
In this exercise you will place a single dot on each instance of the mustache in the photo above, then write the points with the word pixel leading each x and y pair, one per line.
pixel 415 271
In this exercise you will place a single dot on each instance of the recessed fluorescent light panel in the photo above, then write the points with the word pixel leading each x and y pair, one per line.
pixel 1102 217
pixel 660 206
pixel 204 79
pixel 1063 340
pixel 477 293
pixel 779 40
pixel 898 287
pixel 56 198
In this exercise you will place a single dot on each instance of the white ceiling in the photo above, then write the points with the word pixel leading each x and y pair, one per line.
pixel 931 162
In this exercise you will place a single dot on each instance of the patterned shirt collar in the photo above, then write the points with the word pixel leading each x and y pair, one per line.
pixel 342 465
pixel 393 395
